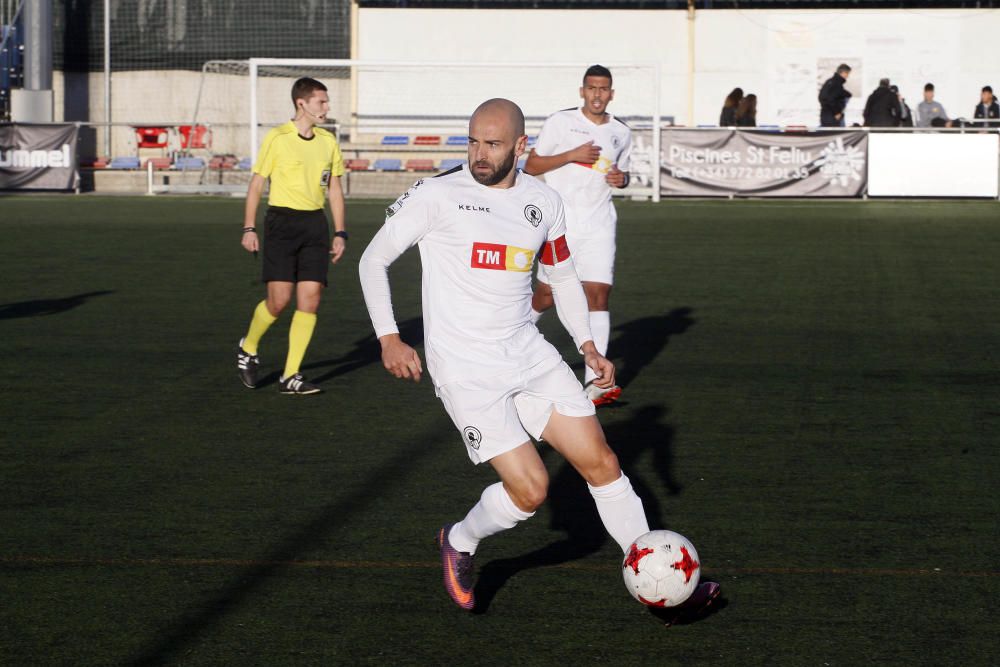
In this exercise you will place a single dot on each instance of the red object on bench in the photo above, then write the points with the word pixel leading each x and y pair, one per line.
pixel 357 164
pixel 158 163
pixel 420 164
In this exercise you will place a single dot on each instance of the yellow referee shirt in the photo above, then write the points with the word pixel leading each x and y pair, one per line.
pixel 299 169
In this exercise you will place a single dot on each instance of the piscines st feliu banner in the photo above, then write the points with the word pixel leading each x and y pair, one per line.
pixel 763 164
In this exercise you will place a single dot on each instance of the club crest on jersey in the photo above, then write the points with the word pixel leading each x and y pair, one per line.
pixel 501 257
pixel 473 437
pixel 615 141
pixel 533 214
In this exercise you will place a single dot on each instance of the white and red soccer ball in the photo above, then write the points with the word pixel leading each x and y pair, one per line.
pixel 661 569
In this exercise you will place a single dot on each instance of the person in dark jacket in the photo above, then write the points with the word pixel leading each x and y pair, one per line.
pixel 833 98
pixel 905 115
pixel 728 116
pixel 988 109
pixel 746 112
pixel 882 107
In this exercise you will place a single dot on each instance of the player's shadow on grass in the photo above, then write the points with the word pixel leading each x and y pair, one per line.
pixel 572 507
pixel 39 307
pixel 365 352
pixel 640 341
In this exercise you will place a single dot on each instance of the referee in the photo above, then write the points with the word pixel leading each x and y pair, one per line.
pixel 302 161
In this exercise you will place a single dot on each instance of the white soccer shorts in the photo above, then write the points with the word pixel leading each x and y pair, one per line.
pixel 594 259
pixel 496 415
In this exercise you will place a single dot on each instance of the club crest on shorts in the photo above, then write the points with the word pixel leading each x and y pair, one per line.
pixel 472 436
pixel 533 214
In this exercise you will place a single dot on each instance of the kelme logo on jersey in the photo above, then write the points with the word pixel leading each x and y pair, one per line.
pixel 501 257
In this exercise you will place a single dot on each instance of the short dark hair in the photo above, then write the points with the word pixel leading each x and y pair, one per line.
pixel 843 67
pixel 304 88
pixel 928 86
pixel 598 70
pixel 883 82
pixel 988 89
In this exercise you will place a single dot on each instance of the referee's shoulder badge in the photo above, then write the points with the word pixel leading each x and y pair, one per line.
pixel 394 207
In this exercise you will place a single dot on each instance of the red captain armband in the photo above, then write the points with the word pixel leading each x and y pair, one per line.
pixel 554 252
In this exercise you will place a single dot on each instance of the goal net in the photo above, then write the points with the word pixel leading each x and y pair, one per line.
pixel 399 121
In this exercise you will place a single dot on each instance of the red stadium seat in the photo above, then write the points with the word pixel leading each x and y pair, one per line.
pixel 152 137
pixel 427 141
pixel 195 136
pixel 356 164
pixel 419 164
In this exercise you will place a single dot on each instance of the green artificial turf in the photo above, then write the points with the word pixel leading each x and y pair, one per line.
pixel 812 395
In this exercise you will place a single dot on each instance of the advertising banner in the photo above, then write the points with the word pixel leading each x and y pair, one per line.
pixel 759 163
pixel 37 157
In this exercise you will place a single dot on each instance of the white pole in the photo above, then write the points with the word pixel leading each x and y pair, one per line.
pixel 149 177
pixel 691 55
pixel 253 110
pixel 107 78
pixel 655 161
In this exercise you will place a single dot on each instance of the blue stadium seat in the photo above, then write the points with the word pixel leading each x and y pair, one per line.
pixel 531 141
pixel 245 163
pixel 395 140
pixel 388 164
pixel 124 163
pixel 520 163
pixel 456 140
pixel 450 163
pixel 708 126
pixel 189 163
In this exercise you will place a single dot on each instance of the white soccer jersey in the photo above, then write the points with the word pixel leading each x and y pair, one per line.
pixel 477 247
pixel 582 186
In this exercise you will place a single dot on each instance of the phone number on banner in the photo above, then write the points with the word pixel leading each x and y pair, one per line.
pixel 740 173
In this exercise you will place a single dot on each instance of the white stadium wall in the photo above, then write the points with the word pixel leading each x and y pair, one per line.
pixel 782 56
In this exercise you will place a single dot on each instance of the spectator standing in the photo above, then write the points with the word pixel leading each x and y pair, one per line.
pixel 746 112
pixel 833 98
pixel 905 115
pixel 931 113
pixel 728 116
pixel 988 109
pixel 882 107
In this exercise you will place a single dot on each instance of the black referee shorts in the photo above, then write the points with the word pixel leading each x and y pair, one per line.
pixel 296 245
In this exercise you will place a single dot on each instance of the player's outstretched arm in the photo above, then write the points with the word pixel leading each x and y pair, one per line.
pixel 255 190
pixel 537 164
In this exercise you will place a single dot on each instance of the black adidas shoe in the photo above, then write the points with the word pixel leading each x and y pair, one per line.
pixel 297 385
pixel 247 365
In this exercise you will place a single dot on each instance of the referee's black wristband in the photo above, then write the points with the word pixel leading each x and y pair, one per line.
pixel 342 235
pixel 252 230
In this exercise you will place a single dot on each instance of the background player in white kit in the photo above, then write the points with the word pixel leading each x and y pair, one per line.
pixel 583 153
pixel 478 228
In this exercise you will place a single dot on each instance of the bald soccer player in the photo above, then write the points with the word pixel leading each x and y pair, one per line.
pixel 480 228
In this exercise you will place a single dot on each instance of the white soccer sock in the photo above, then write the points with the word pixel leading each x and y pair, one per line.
pixel 600 329
pixel 535 316
pixel 621 511
pixel 494 512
